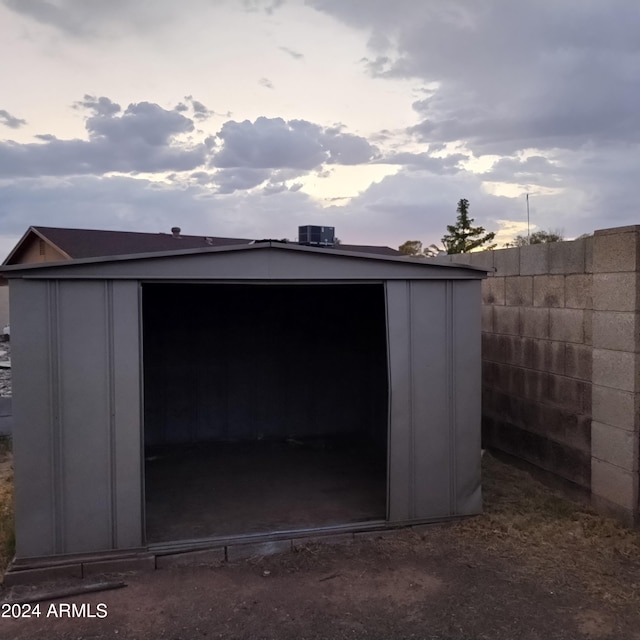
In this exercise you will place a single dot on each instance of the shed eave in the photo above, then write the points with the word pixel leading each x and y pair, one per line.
pixel 26 270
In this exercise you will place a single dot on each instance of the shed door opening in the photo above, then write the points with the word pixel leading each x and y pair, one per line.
pixel 265 407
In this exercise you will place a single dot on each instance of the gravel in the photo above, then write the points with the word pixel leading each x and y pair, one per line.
pixel 5 374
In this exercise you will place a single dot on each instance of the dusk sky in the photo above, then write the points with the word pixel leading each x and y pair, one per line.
pixel 250 117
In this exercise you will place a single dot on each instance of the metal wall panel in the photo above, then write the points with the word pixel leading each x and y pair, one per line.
pixel 83 404
pixel 399 505
pixel 431 395
pixel 77 397
pixel 434 393
pixel 126 415
pixel 467 393
pixel 36 455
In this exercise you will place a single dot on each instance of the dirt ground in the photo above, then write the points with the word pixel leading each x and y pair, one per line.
pixel 534 566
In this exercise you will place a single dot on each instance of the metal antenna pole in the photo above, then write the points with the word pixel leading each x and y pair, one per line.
pixel 528 230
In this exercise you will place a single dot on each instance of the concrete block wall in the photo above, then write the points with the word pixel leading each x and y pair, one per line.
pixel 561 360
pixel 616 368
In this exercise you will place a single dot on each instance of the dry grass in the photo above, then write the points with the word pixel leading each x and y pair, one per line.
pixel 7 537
pixel 562 541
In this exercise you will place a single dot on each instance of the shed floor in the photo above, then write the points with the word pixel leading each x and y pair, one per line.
pixel 231 489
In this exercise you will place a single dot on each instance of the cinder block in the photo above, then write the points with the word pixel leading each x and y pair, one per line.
pixel 527 353
pixel 487 318
pixel 519 291
pixel 507 262
pixel 614 484
pixel 123 565
pixel 534 259
pixel 614 252
pixel 558 458
pixel 550 356
pixel 566 325
pixel 460 258
pixel 588 327
pixel 542 355
pixel 569 393
pixel 629 517
pixel 488 401
pixel 493 290
pixel 522 412
pixel 564 427
pixel 488 342
pixel 567 257
pixel 588 254
pixel 505 349
pixel 536 384
pixel 615 291
pixel 191 558
pixel 257 550
pixel 509 349
pixel 577 360
pixel 613 407
pixel 534 322
pixel 45 574
pixel 615 446
pixel 482 259
pixel 617 330
pixel 548 291
pixel 578 291
pixel 578 433
pixel 506 320
pixel 612 231
pixel 501 376
pixel 488 374
pixel 516 377
pixel 614 369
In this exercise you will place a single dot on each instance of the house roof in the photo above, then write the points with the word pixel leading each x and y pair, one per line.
pixel 92 243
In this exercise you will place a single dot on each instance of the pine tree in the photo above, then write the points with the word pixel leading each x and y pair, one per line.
pixel 462 237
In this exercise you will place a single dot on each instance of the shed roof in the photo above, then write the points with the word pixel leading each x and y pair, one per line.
pixel 77 244
pixel 266 260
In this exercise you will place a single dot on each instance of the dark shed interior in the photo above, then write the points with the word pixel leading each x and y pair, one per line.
pixel 265 407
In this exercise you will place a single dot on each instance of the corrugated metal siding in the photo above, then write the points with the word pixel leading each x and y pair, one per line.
pixel 434 431
pixel 78 390
pixel 78 465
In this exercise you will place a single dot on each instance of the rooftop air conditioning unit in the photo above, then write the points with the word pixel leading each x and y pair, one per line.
pixel 317 236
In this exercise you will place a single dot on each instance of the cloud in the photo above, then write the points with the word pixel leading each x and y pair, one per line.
pixel 11 121
pixel 347 148
pixel 141 139
pixel 268 6
pixel 414 161
pixel 126 203
pixel 90 19
pixel 200 112
pixel 240 179
pixel 295 144
pixel 46 12
pixel 101 106
pixel 532 170
pixel 542 75
pixel 294 54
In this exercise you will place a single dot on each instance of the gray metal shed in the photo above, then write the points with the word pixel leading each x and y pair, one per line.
pixel 173 401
